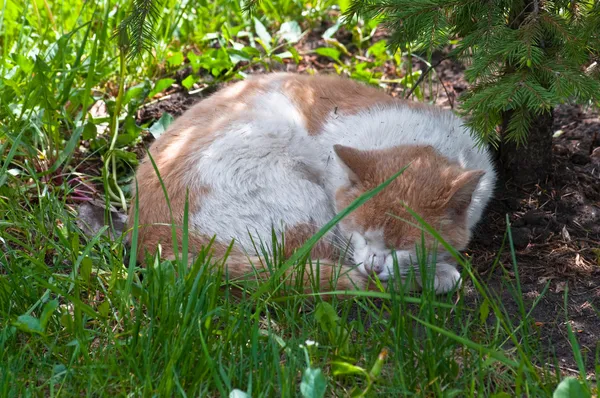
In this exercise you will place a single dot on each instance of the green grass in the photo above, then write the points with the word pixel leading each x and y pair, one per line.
pixel 76 318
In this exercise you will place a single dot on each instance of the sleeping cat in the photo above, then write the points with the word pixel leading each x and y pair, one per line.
pixel 286 152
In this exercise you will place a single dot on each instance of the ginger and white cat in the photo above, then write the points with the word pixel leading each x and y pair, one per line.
pixel 287 152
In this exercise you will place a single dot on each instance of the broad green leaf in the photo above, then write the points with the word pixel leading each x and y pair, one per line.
pixel 326 316
pixel 86 269
pixel 58 370
pixel 210 36
pixel 344 4
pixel 290 31
pixel 295 55
pixel 238 55
pixel 104 308
pixel 378 50
pixel 361 72
pixel 251 51
pixel 160 126
pixel 339 46
pixel 90 131
pixel 453 393
pixel 47 312
pixel 329 52
pixel 130 132
pixel 161 86
pixel 24 62
pixel 328 34
pixel 188 82
pixel 345 368
pixel 570 387
pixel 262 33
pixel 313 383
pixel 75 244
pixel 285 54
pixel 66 320
pixel 194 61
pixel 409 79
pixel 129 157
pixel 484 311
pixel 176 59
pixel 29 324
pixel 134 92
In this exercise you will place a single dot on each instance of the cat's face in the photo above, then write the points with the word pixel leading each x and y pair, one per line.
pixel 435 188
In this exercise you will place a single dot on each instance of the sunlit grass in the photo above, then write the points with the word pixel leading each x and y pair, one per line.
pixel 76 319
pixel 79 316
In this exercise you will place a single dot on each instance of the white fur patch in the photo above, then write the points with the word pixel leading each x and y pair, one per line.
pixel 370 253
pixel 262 177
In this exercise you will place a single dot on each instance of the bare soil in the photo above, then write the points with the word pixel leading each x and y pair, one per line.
pixel 555 227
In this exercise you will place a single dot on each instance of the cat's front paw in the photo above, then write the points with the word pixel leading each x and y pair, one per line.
pixel 447 278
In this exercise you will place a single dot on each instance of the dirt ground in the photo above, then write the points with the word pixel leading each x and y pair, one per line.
pixel 556 232
pixel 555 227
pixel 555 224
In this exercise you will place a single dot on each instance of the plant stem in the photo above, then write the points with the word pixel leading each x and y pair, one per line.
pixel 114 129
pixel 119 101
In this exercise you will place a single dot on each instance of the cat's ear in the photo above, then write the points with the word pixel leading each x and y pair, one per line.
pixel 462 191
pixel 353 161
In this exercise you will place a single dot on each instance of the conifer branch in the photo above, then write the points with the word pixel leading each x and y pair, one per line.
pixel 136 32
pixel 248 6
pixel 524 57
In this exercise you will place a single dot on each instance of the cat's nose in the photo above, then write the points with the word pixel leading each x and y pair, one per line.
pixel 376 263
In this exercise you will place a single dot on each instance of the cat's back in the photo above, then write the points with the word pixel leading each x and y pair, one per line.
pixel 284 98
pixel 315 98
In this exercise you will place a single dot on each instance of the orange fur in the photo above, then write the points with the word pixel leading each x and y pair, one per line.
pixel 440 183
pixel 318 97
pixel 432 186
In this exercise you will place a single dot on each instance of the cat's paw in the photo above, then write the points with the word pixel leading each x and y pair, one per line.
pixel 447 278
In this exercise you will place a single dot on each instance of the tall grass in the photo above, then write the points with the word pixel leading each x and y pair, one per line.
pixel 77 317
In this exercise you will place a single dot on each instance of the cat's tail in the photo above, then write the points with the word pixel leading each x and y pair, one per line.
pixel 323 275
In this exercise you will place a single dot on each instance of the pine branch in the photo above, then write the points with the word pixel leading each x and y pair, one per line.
pixel 523 57
pixel 136 32
pixel 248 6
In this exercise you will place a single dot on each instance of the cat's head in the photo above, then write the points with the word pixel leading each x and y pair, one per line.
pixel 434 187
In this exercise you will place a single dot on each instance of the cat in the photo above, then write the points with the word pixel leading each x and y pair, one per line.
pixel 285 152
